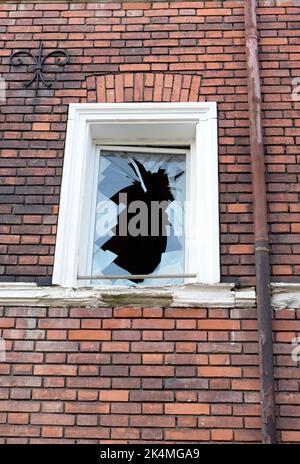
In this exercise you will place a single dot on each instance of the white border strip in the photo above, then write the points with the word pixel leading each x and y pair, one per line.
pixel 284 296
pixel 186 296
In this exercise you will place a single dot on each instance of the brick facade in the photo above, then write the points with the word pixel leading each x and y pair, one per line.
pixel 144 87
pixel 186 37
pixel 133 375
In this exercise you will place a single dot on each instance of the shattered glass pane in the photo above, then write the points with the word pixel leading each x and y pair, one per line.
pixel 139 226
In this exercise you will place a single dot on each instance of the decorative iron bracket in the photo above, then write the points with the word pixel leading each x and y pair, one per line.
pixel 62 58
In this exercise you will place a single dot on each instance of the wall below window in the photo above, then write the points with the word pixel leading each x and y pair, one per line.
pixel 119 375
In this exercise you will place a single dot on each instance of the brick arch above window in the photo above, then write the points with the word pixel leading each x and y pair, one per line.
pixel 144 87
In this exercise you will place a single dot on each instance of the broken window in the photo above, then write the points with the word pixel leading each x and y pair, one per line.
pixel 139 219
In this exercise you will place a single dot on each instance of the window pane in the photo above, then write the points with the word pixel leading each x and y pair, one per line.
pixel 139 226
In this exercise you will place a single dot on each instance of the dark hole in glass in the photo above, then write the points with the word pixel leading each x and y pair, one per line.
pixel 142 254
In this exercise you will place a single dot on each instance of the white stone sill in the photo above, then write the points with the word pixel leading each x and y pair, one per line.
pixel 192 295
pixel 284 296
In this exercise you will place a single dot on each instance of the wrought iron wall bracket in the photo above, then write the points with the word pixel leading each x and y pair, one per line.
pixel 62 58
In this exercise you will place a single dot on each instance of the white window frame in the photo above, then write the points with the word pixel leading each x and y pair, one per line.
pixel 176 124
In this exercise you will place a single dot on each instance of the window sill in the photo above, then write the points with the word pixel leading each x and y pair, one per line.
pixel 186 296
pixel 284 296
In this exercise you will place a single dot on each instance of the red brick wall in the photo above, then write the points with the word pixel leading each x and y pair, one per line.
pixel 133 375
pixel 108 374
pixel 280 64
pixel 179 37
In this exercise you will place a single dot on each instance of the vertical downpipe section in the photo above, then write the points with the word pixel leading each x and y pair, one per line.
pixel 264 309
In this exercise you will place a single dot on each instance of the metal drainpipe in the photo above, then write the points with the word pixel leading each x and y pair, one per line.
pixel 264 309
